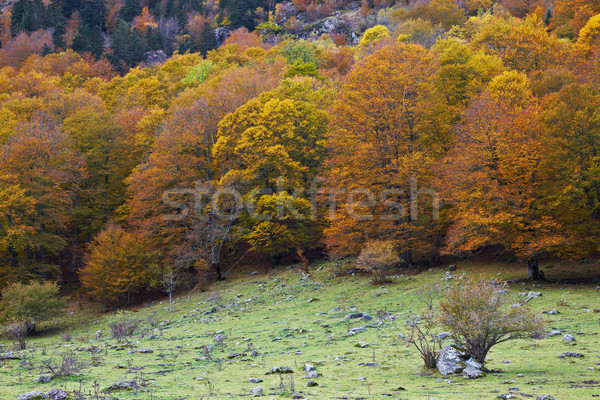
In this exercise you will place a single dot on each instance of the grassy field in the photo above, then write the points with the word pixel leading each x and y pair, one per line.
pixel 273 319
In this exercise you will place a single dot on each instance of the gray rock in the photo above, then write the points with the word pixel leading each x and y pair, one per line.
pixel 367 317
pixel 335 309
pixel 57 394
pixel 445 335
pixel 218 338
pixel 552 312
pixel 473 373
pixel 533 295
pixel 368 364
pixel 452 360
pixel 354 316
pixel 568 338
pixel 141 351
pixel 401 336
pixel 280 370
pixel 555 333
pixel 452 267
pixel 123 385
pixel 506 396
pixel 312 374
pixel 354 331
pixel 545 397
pixel 311 383
pixel 309 367
pixel 255 380
pixel 35 395
pixel 257 391
pixel 9 356
pixel 570 354
pixel 43 379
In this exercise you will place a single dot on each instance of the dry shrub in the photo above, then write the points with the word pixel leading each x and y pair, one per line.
pixel 377 257
pixel 17 330
pixel 480 315
pixel 422 335
pixel 67 365
pixel 123 326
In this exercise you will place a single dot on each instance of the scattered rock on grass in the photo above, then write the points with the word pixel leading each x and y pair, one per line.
pixel 568 338
pixel 257 391
pixel 280 370
pixel 554 333
pixel 141 351
pixel 311 383
pixel 312 374
pixel 255 380
pixel 357 316
pixel 570 354
pixel 9 356
pixel 35 395
pixel 122 385
pixel 57 394
pixel 354 331
pixel 473 373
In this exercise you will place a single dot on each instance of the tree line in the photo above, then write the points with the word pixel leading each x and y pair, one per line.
pixel 494 114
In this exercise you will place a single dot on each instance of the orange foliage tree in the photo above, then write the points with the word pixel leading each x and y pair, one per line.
pixel 497 179
pixel 117 264
pixel 389 125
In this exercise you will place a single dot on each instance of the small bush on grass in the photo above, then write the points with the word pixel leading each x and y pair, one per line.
pixel 377 257
pixel 422 335
pixel 66 364
pixel 480 315
pixel 17 330
pixel 123 325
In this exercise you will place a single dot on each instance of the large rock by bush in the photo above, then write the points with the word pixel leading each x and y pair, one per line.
pixel 453 360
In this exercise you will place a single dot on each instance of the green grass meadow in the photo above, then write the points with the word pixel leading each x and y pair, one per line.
pixel 287 318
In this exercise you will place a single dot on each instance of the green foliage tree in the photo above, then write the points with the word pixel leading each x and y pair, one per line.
pixel 31 303
pixel 58 36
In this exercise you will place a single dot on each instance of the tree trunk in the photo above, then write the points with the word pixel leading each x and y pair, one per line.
pixel 533 269
pixel 217 268
pixel 407 258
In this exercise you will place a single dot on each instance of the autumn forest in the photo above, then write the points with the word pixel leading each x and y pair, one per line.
pixel 145 140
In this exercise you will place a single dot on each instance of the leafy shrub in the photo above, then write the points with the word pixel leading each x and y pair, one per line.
pixel 31 303
pixel 123 325
pixel 377 257
pixel 479 315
